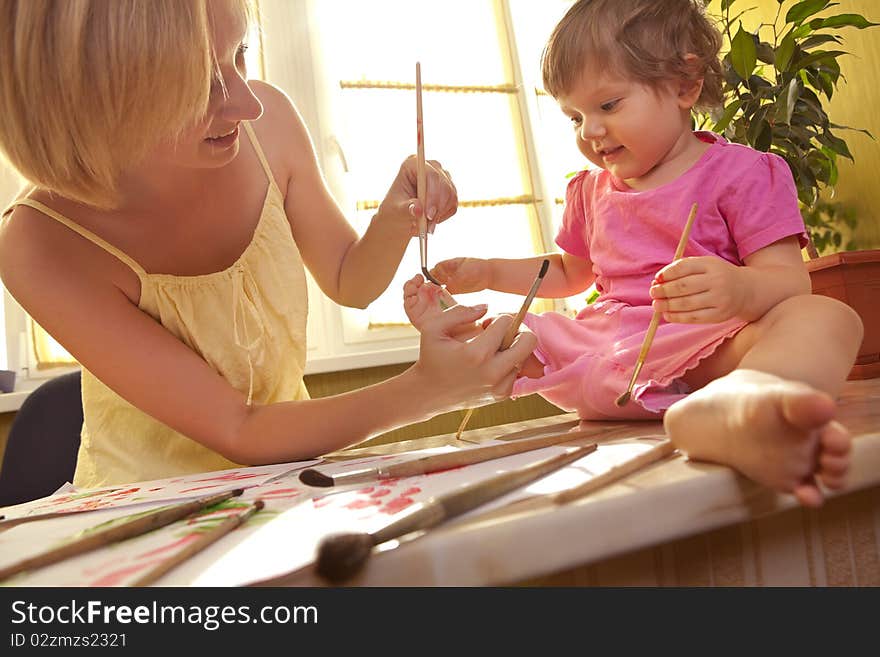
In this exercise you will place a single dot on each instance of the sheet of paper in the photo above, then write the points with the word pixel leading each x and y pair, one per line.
pixel 286 534
pixel 159 490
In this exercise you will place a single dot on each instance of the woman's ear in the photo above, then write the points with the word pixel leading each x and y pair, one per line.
pixel 691 85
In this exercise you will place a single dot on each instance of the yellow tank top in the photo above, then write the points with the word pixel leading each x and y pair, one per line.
pixel 248 322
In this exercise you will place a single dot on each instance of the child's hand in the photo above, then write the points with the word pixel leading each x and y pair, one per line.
pixel 701 290
pixel 463 275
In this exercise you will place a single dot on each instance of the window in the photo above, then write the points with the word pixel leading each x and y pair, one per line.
pixel 506 144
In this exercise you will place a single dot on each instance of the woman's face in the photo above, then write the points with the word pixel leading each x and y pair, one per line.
pixel 214 141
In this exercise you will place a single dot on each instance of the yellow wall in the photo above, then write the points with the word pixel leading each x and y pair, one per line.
pixel 855 103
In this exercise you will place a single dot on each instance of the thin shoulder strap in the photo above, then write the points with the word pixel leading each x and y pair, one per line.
pixel 75 227
pixel 258 149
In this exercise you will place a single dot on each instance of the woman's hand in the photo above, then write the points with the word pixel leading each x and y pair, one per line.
pixel 701 290
pixel 460 374
pixel 401 203
pixel 463 275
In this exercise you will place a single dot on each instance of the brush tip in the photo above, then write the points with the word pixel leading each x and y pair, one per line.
pixel 342 555
pixel 311 477
pixel 544 266
pixel 623 399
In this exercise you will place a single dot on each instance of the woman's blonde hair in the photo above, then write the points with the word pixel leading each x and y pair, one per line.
pixel 88 87
pixel 644 40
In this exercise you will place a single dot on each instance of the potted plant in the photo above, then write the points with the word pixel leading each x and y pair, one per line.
pixel 777 80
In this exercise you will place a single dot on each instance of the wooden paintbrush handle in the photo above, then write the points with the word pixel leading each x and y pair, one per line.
pixel 463 457
pixel 113 534
pixel 421 167
pixel 616 473
pixel 204 540
pixel 649 336
pixel 443 507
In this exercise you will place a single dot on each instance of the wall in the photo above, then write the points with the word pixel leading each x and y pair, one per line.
pixel 854 104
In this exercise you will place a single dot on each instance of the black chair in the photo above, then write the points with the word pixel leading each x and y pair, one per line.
pixel 43 441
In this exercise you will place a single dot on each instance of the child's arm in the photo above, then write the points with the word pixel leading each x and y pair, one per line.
pixel 708 289
pixel 349 269
pixel 566 275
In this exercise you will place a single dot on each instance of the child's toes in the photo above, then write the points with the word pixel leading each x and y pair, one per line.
pixel 836 439
pixel 808 493
pixel 833 470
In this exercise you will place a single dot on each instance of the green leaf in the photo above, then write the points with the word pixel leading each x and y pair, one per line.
pixel 836 144
pixel 765 52
pixel 784 52
pixel 760 135
pixel 743 56
pixel 726 117
pixel 846 127
pixel 725 4
pixel 817 56
pixel 805 9
pixel 818 40
pixel 786 101
pixel 842 20
pixel 802 31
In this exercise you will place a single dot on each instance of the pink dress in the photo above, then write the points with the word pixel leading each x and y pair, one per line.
pixel 746 200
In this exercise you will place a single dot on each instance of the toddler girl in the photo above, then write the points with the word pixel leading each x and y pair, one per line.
pixel 746 361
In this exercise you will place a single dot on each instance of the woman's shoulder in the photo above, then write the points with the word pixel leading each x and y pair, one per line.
pixel 29 241
pixel 280 129
pixel 38 249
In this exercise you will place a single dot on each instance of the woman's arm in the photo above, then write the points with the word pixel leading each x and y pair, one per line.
pixel 74 290
pixel 351 270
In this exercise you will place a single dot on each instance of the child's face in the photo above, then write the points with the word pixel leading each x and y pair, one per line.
pixel 626 127
pixel 214 141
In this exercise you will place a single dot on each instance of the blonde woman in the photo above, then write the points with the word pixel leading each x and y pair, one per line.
pixel 174 207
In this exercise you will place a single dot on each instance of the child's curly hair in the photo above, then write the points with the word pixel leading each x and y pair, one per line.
pixel 650 41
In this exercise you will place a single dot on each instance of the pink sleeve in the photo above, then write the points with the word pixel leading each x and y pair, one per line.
pixel 572 236
pixel 762 206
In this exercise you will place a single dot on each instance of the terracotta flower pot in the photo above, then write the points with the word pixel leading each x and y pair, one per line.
pixel 854 278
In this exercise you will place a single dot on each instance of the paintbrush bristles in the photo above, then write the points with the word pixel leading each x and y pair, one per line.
pixel 342 556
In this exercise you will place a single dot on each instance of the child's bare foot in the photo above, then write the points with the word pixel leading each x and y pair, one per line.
pixel 779 433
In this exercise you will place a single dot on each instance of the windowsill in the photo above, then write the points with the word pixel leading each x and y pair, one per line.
pixel 340 363
pixel 12 401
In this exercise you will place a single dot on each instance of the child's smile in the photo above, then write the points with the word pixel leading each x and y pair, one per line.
pixel 630 129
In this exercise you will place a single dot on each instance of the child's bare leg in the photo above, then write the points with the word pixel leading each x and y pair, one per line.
pixel 423 299
pixel 771 417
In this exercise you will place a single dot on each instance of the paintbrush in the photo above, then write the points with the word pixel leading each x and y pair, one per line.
pixel 140 524
pixel 438 462
pixel 207 538
pixel 342 555
pixel 656 453
pixel 512 330
pixel 14 522
pixel 655 318
pixel 421 179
